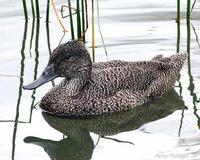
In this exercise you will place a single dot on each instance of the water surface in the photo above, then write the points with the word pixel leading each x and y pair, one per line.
pixel 167 129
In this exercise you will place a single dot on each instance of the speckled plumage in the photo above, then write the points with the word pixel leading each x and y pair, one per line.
pixel 106 87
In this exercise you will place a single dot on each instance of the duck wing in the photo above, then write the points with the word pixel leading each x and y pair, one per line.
pixel 119 63
pixel 155 77
pixel 107 82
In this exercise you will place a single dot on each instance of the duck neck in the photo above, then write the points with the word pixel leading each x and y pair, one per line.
pixel 77 83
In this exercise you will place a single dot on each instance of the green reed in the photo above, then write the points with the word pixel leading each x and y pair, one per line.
pixel 188 10
pixel 33 8
pixel 78 18
pixel 25 9
pixel 178 18
pixel 71 19
pixel 86 14
pixel 47 26
pixel 83 20
pixel 93 38
pixel 178 10
pixel 37 8
pixel 188 25
pixel 80 13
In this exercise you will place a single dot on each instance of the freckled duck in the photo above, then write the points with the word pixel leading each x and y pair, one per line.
pixel 105 87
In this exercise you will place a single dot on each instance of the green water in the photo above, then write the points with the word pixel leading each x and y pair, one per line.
pixel 164 129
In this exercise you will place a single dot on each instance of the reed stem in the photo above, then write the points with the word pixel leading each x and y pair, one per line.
pixel 86 13
pixel 83 20
pixel 71 19
pixel 32 8
pixel 78 19
pixel 188 26
pixel 188 10
pixel 178 27
pixel 37 8
pixel 25 9
pixel 178 10
pixel 93 40
pixel 47 11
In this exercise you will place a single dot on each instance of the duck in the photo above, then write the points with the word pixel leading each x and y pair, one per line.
pixel 90 89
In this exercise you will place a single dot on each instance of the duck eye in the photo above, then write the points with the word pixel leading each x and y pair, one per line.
pixel 67 57
pixel 44 73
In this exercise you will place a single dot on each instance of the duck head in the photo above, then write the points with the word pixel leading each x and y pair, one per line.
pixel 69 60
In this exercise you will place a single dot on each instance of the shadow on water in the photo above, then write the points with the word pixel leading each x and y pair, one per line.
pixel 79 145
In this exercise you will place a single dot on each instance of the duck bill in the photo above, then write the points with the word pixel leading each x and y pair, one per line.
pixel 47 75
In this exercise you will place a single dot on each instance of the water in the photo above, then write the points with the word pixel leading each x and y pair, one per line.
pixel 132 31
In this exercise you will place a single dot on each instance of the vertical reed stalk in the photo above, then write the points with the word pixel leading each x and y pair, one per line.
pixel 47 30
pixel 47 25
pixel 37 8
pixel 178 10
pixel 188 27
pixel 78 19
pixel 47 11
pixel 93 40
pixel 178 37
pixel 71 19
pixel 188 9
pixel 178 18
pixel 83 20
pixel 86 13
pixel 32 8
pixel 25 9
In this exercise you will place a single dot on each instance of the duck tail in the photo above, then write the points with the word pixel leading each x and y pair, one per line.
pixel 177 61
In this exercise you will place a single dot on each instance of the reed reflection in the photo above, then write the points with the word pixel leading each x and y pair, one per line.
pixel 36 65
pixel 191 87
pixel 20 89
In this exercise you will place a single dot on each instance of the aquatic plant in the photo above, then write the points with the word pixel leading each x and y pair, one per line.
pixel 78 19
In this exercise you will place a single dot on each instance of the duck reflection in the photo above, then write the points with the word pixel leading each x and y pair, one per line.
pixel 79 145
